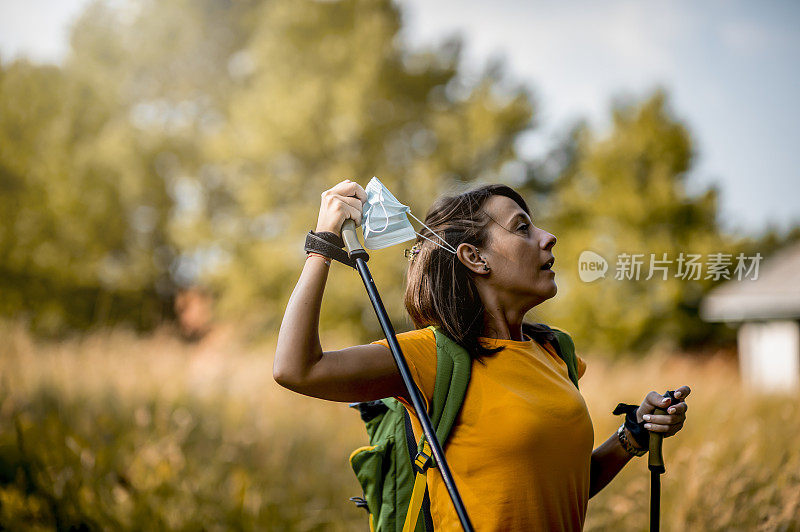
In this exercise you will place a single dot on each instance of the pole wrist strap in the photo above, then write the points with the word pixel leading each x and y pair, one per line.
pixel 637 430
pixel 330 245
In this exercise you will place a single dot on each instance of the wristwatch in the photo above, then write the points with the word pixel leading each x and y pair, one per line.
pixel 626 444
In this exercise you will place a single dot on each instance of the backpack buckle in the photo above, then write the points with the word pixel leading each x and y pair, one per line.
pixel 360 502
pixel 424 458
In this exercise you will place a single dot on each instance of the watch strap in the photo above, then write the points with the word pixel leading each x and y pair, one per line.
pixel 627 445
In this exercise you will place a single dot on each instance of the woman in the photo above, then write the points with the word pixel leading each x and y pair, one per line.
pixel 521 450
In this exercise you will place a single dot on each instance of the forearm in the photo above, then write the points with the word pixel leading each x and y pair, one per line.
pixel 607 461
pixel 298 347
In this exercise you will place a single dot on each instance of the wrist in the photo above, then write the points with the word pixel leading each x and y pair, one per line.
pixel 635 428
pixel 320 255
pixel 328 245
pixel 628 442
pixel 327 229
pixel 334 237
pixel 631 438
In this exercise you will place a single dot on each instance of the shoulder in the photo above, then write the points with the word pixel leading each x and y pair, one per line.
pixel 419 351
pixel 418 347
pixel 421 338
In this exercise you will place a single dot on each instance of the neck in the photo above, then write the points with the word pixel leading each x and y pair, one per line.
pixel 502 321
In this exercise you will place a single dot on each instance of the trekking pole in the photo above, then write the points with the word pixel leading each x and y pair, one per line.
pixel 360 256
pixel 655 461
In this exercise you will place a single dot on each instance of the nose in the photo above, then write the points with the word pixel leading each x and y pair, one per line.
pixel 548 240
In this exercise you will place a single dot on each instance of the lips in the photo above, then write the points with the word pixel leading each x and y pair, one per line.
pixel 549 264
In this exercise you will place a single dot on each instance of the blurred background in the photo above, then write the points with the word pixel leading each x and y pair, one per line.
pixel 161 162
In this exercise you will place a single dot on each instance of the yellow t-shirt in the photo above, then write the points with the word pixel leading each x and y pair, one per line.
pixel 520 449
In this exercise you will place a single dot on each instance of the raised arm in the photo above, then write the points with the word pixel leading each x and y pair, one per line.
pixel 358 373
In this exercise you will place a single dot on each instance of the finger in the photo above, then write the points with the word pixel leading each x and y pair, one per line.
pixel 663 420
pixel 353 202
pixel 682 392
pixel 674 430
pixel 350 188
pixel 361 193
pixel 343 206
pixel 656 400
pixel 352 212
pixel 333 200
pixel 679 408
pixel 346 207
pixel 654 427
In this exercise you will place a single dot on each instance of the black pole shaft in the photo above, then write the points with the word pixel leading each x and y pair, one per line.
pixel 655 500
pixel 655 462
pixel 414 393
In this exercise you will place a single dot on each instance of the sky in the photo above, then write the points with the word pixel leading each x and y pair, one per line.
pixel 731 69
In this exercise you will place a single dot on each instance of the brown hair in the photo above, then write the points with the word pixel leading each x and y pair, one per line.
pixel 439 287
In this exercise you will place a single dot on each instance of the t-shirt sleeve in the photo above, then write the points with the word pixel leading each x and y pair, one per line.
pixel 581 366
pixel 419 350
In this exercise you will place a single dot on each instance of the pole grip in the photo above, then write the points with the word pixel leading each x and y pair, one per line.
pixel 655 459
pixel 351 243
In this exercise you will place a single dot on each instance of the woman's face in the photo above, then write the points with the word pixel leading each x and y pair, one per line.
pixel 516 251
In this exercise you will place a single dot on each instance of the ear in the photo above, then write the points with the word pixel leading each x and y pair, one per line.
pixel 471 258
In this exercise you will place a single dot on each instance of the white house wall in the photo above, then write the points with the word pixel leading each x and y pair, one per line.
pixel 769 355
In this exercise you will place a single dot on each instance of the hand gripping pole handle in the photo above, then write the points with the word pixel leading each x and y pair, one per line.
pixel 655 460
pixel 351 242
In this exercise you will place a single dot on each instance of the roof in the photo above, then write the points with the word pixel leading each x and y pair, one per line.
pixel 774 294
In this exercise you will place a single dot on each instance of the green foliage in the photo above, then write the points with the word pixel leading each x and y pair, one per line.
pixel 189 142
pixel 625 192
pixel 328 93
pixel 82 218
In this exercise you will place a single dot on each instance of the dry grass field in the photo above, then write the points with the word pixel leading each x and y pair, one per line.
pixel 119 432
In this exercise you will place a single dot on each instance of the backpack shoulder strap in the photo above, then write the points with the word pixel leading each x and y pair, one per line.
pixel 565 348
pixel 453 365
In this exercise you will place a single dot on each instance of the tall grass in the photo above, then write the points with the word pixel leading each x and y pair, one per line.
pixel 113 431
pixel 734 466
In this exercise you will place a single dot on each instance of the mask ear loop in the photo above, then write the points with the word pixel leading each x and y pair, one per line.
pixel 385 214
pixel 436 243
pixel 446 247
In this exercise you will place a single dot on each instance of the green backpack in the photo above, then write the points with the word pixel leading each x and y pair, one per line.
pixel 391 470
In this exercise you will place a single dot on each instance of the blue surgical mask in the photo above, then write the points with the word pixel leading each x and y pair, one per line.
pixel 385 221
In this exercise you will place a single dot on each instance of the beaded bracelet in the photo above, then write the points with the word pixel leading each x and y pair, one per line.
pixel 326 259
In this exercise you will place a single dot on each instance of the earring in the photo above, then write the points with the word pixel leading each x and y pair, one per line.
pixel 485 266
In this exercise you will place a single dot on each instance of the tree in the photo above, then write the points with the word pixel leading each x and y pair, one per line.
pixel 234 116
pixel 625 193
pixel 82 218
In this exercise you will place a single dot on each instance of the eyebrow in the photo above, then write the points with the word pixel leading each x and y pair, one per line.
pixel 519 215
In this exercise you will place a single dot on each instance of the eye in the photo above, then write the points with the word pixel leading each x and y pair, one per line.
pixel 523 227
